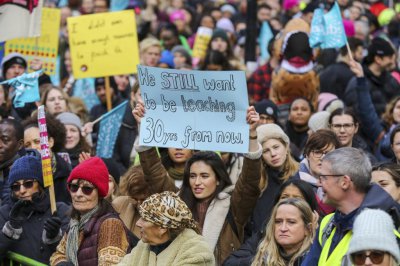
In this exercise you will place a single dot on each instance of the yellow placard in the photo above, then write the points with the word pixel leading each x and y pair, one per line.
pixel 45 47
pixel 203 37
pixel 103 44
pixel 47 172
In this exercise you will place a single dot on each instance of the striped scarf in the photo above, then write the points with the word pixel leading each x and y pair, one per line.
pixel 75 226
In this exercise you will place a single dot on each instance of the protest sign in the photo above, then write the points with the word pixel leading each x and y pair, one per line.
pixel 203 37
pixel 26 88
pixel 19 19
pixel 109 128
pixel 204 110
pixel 103 44
pixel 44 47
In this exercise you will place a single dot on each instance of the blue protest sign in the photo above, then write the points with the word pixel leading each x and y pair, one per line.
pixel 26 88
pixel 109 128
pixel 265 36
pixel 335 36
pixel 118 5
pixel 317 28
pixel 202 110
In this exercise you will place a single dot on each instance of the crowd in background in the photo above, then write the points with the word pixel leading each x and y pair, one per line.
pixel 319 185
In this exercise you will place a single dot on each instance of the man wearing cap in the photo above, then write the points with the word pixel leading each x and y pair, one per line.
pixel 268 112
pixel 377 67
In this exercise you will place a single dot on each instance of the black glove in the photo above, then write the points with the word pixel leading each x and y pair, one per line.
pixel 19 213
pixel 65 263
pixel 52 226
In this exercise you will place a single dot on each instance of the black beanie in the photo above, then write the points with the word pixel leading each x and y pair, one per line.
pixel 13 60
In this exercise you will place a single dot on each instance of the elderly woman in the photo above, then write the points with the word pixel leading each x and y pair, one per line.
pixel 28 227
pixel 169 235
pixel 96 234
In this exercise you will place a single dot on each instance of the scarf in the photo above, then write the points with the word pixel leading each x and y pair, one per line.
pixel 75 226
pixel 176 174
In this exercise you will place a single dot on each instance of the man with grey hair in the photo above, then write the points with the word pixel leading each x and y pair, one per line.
pixel 345 180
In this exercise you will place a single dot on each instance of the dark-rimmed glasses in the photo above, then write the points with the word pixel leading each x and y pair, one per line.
pixel 318 153
pixel 17 186
pixel 346 126
pixel 376 256
pixel 87 190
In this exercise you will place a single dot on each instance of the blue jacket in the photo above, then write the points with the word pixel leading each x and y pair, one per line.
pixel 375 198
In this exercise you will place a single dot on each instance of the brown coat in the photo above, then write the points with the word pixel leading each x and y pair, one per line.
pixel 156 176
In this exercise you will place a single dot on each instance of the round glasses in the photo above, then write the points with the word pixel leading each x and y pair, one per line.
pixel 375 256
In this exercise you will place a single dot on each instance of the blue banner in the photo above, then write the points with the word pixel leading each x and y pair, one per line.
pixel 335 36
pixel 118 5
pixel 26 88
pixel 199 110
pixel 317 28
pixel 265 36
pixel 109 128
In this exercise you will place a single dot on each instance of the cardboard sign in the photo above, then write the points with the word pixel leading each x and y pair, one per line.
pixel 45 47
pixel 103 44
pixel 45 149
pixel 202 110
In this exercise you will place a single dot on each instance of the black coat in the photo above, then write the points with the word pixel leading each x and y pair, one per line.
pixel 334 79
pixel 30 243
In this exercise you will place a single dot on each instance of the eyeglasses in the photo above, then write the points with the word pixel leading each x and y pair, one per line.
pixel 375 256
pixel 325 177
pixel 17 186
pixel 87 190
pixel 346 127
pixel 318 154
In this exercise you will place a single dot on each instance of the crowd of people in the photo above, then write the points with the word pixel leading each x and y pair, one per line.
pixel 318 185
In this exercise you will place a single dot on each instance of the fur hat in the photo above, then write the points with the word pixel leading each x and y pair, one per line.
pixel 373 230
pixel 93 170
pixel 319 120
pixel 271 131
pixel 26 167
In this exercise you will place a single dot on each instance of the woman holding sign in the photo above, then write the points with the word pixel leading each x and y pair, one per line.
pixel 220 208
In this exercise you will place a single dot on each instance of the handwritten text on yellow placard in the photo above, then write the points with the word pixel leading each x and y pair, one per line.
pixel 103 44
pixel 45 47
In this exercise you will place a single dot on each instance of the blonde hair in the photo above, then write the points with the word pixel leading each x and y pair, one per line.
pixel 268 250
pixel 387 116
pixel 289 168
pixel 149 42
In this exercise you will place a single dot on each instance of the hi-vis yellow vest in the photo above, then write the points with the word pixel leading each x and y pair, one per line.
pixel 338 255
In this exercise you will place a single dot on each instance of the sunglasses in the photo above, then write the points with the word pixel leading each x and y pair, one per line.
pixel 17 186
pixel 375 256
pixel 87 190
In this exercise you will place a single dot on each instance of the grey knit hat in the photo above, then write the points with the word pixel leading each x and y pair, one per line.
pixel 319 120
pixel 68 118
pixel 271 131
pixel 373 230
pixel 180 49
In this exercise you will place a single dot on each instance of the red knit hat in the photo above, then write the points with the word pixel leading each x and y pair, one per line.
pixel 93 170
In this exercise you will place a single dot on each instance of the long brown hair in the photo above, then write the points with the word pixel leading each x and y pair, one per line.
pixel 387 116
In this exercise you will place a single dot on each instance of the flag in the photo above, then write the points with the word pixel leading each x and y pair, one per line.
pixel 317 28
pixel 109 128
pixel 265 36
pixel 118 5
pixel 20 18
pixel 26 88
pixel 335 36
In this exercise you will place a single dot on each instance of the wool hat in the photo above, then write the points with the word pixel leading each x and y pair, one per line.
pixel 319 120
pixel 102 82
pixel 380 47
pixel 225 24
pixel 219 33
pixel 271 131
pixel 228 8
pixel 349 27
pixel 177 15
pixel 93 170
pixel 167 210
pixel 288 4
pixel 267 107
pixel 180 49
pixel 373 230
pixel 26 167
pixel 11 59
pixel 386 16
pixel 68 118
pixel 324 99
pixel 167 57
